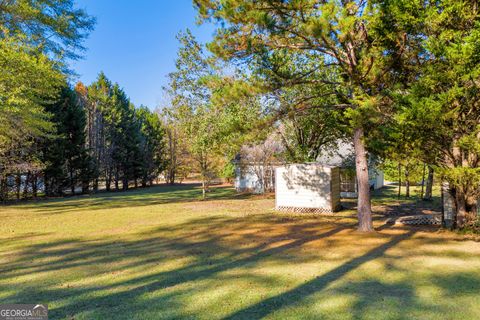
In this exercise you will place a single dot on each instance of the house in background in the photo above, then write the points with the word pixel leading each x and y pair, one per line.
pixel 255 166
pixel 343 157
pixel 255 177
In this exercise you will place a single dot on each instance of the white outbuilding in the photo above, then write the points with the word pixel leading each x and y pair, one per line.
pixel 307 187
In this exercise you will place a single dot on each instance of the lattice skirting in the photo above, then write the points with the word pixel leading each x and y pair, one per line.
pixel 420 220
pixel 304 210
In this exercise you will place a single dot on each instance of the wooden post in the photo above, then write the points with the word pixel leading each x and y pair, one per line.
pixel 428 189
pixel 423 179
pixel 399 180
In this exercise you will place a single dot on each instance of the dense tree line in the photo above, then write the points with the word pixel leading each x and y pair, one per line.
pixel 55 139
pixel 98 140
pixel 102 140
pixel 125 143
pixel 37 39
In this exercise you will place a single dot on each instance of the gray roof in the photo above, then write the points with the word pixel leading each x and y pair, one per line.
pixel 343 155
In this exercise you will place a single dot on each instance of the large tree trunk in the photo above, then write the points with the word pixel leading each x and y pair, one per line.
pixel 428 188
pixel 364 206
pixel 466 208
pixel 108 180
pixel 465 193
pixel 172 149
pixel 59 188
pixel 46 185
pixel 461 210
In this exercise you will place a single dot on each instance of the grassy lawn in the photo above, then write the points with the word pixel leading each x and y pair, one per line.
pixel 160 254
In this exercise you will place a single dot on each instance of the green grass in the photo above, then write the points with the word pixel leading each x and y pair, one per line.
pixel 161 253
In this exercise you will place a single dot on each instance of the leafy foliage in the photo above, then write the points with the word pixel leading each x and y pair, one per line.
pixel 56 28
pixel 28 80
pixel 345 50
pixel 213 111
pixel 442 106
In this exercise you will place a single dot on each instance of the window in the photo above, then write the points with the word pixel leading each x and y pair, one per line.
pixel 348 181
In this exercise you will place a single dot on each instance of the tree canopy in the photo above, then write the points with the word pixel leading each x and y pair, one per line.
pixel 344 49
pixel 57 28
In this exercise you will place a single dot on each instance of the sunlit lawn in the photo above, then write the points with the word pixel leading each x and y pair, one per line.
pixel 160 253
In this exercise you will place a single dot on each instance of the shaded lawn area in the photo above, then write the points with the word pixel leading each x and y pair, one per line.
pixel 160 253
pixel 393 205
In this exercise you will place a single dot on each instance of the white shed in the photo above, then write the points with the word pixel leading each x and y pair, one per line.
pixel 309 187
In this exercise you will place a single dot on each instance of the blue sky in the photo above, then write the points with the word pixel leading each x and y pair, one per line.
pixel 134 44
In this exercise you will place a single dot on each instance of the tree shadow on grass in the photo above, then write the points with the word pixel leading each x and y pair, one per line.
pixel 4 241
pixel 400 299
pixel 386 202
pixel 286 299
pixel 217 250
pixel 204 240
